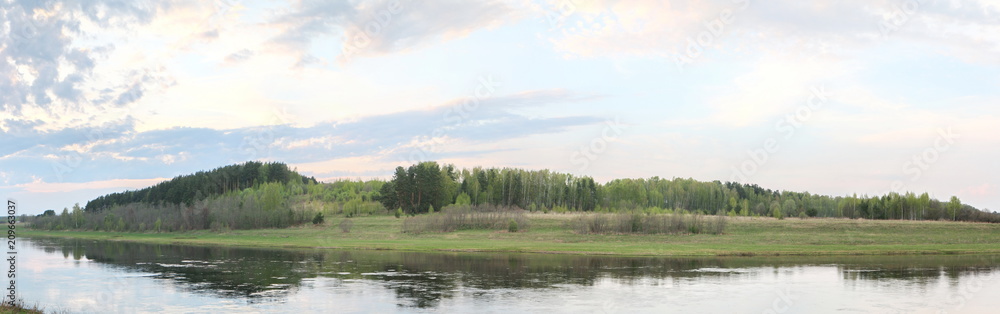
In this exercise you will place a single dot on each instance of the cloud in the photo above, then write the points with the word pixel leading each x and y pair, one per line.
pixel 70 64
pixel 41 56
pixel 63 187
pixel 771 88
pixel 986 189
pixel 117 151
pixel 374 28
pixel 348 167
pixel 23 135
pixel 664 29
pixel 240 56
pixel 628 27
pixel 397 135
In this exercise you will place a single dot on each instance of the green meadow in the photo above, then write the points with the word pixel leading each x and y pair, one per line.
pixel 552 233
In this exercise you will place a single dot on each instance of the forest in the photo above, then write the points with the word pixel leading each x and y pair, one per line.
pixel 189 188
pixel 255 195
pixel 420 187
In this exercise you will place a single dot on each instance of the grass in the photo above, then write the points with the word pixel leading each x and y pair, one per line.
pixel 551 233
pixel 18 307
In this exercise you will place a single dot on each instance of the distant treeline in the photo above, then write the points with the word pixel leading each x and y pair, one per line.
pixel 419 187
pixel 267 205
pixel 270 195
pixel 190 188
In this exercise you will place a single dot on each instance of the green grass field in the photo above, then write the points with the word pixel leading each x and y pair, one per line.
pixel 548 233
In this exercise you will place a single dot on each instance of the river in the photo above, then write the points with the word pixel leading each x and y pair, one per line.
pixel 91 276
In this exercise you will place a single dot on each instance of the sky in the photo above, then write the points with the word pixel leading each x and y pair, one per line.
pixel 834 97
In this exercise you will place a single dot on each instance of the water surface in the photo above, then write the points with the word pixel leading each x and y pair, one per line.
pixel 107 276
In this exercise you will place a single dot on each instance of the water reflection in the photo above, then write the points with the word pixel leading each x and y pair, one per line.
pixel 425 280
pixel 226 272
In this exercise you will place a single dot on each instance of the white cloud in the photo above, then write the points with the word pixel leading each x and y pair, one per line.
pixel 773 87
pixel 348 167
pixel 665 29
pixel 40 186
pixel 627 27
pixel 375 28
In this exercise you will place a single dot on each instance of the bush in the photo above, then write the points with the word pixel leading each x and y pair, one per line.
pixel 219 226
pixel 512 226
pixel 467 217
pixel 695 225
pixel 639 223
pixel 399 212
pixel 345 225
pixel 812 212
pixel 318 219
pixel 717 225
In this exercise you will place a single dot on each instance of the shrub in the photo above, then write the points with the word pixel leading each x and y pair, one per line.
pixel 512 226
pixel 812 212
pixel 695 225
pixel 345 225
pixel 639 223
pixel 219 226
pixel 318 219
pixel 399 212
pixel 717 225
pixel 467 217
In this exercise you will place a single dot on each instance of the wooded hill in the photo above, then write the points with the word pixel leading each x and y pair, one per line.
pixel 186 189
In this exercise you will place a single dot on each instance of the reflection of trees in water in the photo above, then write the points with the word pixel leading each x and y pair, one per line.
pixel 920 272
pixel 227 272
pixel 424 279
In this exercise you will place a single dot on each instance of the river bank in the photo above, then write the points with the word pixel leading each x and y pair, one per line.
pixel 549 233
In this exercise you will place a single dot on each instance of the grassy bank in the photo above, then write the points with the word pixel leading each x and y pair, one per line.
pixel 550 233
pixel 19 307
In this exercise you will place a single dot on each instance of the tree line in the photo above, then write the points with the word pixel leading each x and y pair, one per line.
pixel 270 195
pixel 428 185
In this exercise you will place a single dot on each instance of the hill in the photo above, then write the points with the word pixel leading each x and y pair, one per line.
pixel 186 189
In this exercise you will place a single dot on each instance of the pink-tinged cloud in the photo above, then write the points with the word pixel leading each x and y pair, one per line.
pixel 39 186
